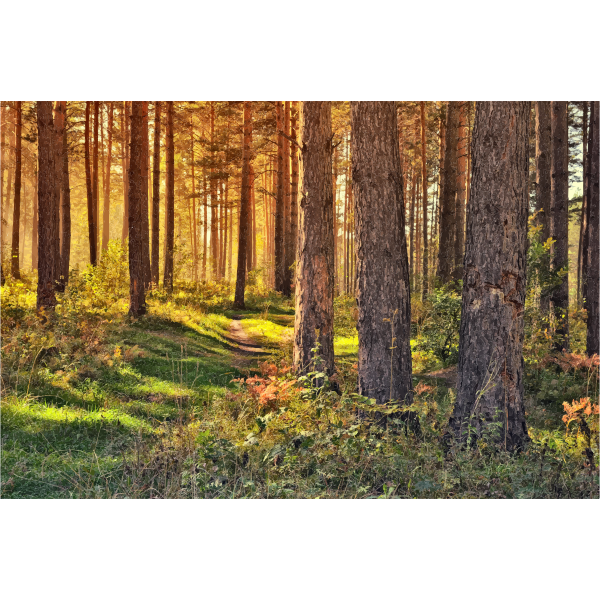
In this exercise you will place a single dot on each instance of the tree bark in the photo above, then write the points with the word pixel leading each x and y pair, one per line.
pixel 17 197
pixel 137 192
pixel 289 258
pixel 88 184
pixel 384 358
pixel 156 194
pixel 448 196
pixel 559 224
pixel 194 226
pixel 60 107
pixel 170 202
pixel 34 230
pixel 106 209
pixel 279 206
pixel 314 281
pixel 47 205
pixel 125 164
pixel 240 284
pixel 95 195
pixel 490 368
pixel 584 209
pixel 294 191
pixel 543 151
pixel 424 185
pixel 65 250
pixel 593 287
pixel 461 192
pixel 145 216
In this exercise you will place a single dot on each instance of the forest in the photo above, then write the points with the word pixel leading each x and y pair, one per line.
pixel 300 299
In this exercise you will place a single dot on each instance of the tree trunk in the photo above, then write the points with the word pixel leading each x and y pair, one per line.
pixel 593 288
pixel 125 166
pixel 205 236
pixel 106 209
pixel 138 191
pixel 384 358
pixel 240 284
pixel 411 224
pixel 490 367
pixel 279 206
pixel 294 190
pixel 194 226
pixel 289 259
pixel 559 225
pixel 47 206
pixel 88 185
pixel 424 185
pixel 95 195
pixel 448 196
pixel 156 195
pixel 461 192
pixel 17 198
pixel 584 210
pixel 34 230
pixel 65 250
pixel 313 332
pixel 60 107
pixel 170 202
pixel 145 217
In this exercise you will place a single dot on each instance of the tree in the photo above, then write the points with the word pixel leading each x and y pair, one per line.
pixel 156 193
pixel 448 195
pixel 47 205
pixel 88 184
pixel 384 358
pixel 559 222
pixel 490 367
pixel 279 206
pixel 95 174
pixel 240 284
pixel 106 209
pixel 65 249
pixel 169 202
pixel 461 191
pixel 125 167
pixel 294 196
pixel 145 219
pixel 543 149
pixel 60 108
pixel 424 185
pixel 137 300
pixel 289 258
pixel 315 260
pixel 593 267
pixel 17 198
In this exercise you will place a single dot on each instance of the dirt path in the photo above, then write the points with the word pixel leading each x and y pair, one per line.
pixel 246 351
pixel 447 375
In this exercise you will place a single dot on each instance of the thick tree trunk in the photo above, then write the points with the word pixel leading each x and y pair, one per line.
pixel 60 108
pixel 424 185
pixel 448 195
pixel 106 208
pixel 156 194
pixel 461 192
pixel 170 202
pixel 240 284
pixel 17 198
pixel 145 216
pixel 593 287
pixel 314 281
pixel 47 206
pixel 137 192
pixel 95 194
pixel 65 250
pixel 279 206
pixel 384 358
pixel 490 368
pixel 88 184
pixel 559 224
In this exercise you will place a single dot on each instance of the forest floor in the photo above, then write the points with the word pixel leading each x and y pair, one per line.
pixel 195 400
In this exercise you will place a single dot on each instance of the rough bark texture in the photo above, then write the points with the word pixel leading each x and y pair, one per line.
pixel 461 192
pixel 65 249
pixel 559 223
pixel 448 195
pixel 170 201
pixel 314 279
pixel 543 151
pixel 384 358
pixel 584 208
pixel 424 185
pixel 593 288
pixel 60 108
pixel 279 205
pixel 240 284
pixel 106 208
pixel 490 367
pixel 47 206
pixel 17 198
pixel 95 175
pixel 294 197
pixel 88 186
pixel 137 302
pixel 156 193
pixel 145 217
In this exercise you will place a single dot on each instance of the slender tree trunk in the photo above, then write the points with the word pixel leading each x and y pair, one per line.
pixel 138 191
pixel 60 108
pixel 253 195
pixel 240 284
pixel 47 205
pixel 89 190
pixel 411 224
pixel 230 251
pixel 95 195
pixel 424 185
pixel 205 236
pixel 313 331
pixel 384 358
pixel 106 209
pixel 593 287
pixel 17 198
pixel 461 192
pixel 170 202
pixel 125 160
pixel 279 206
pixel 145 216
pixel 289 258
pixel 583 219
pixel 213 199
pixel 156 195
pixel 559 226
pixel 65 250
pixel 448 197
pixel 490 367
pixel 194 226
pixel 34 231
pixel 294 190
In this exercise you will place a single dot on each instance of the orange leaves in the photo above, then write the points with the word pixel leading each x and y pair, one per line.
pixel 577 408
pixel 423 388
pixel 573 361
pixel 269 391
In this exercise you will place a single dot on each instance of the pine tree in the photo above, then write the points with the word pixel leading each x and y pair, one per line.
pixel 169 202
pixel 17 197
pixel 593 266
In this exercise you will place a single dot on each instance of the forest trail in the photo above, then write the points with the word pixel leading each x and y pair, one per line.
pixel 448 375
pixel 245 351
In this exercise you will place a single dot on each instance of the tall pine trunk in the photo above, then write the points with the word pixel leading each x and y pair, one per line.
pixel 145 216
pixel 294 190
pixel 448 195
pixel 289 258
pixel 47 206
pixel 240 284
pixel 137 192
pixel 593 288
pixel 156 194
pixel 170 202
pixel 559 224
pixel 125 165
pixel 60 107
pixel 88 185
pixel 384 358
pixel 65 249
pixel 279 206
pixel 424 185
pixel 106 208
pixel 17 198
pixel 490 367
pixel 461 191
pixel 584 209
pixel 313 331
pixel 95 195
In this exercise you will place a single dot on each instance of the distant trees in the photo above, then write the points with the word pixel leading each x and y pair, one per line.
pixel 490 367
pixel 17 197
